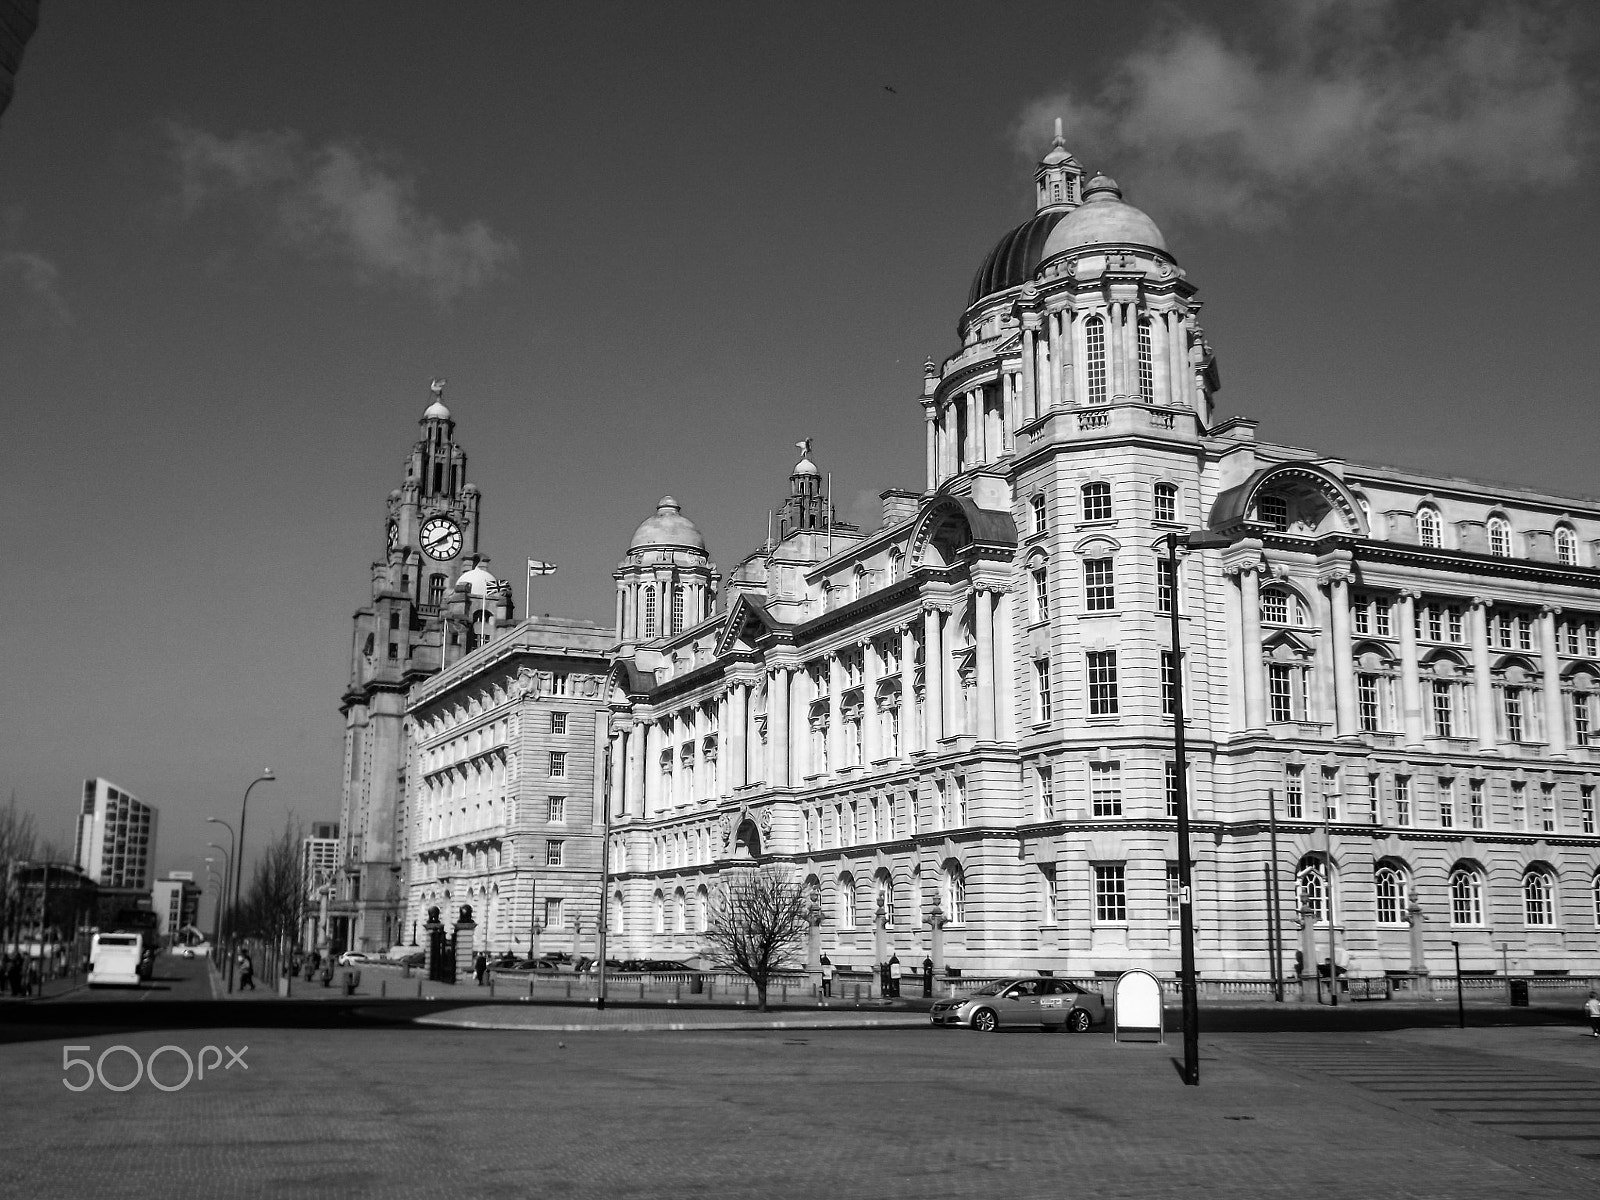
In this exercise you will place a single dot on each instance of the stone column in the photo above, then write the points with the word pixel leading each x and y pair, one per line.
pixel 871 743
pixel 1045 369
pixel 701 784
pixel 1405 612
pixel 723 783
pixel 622 632
pixel 983 693
pixel 835 713
pixel 1346 724
pixel 1066 374
pixel 1482 681
pixel 619 774
pixel 638 764
pixel 1160 359
pixel 1008 410
pixel 974 426
pixel 1027 403
pixel 908 693
pixel 814 944
pixel 936 923
pixel 930 421
pixel 1555 719
pixel 1004 670
pixel 932 678
pixel 1255 699
pixel 737 736
pixel 1178 361
pixel 778 727
pixel 1418 922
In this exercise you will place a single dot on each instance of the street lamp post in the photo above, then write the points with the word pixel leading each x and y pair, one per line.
pixel 227 878
pixel 1191 1002
pixel 216 912
pixel 239 860
pixel 225 923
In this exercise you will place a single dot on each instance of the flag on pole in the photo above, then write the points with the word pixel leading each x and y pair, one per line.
pixel 535 567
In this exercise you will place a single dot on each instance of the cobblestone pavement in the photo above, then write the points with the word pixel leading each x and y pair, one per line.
pixel 883 1113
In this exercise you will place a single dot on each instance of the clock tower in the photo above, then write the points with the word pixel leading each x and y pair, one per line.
pixel 407 632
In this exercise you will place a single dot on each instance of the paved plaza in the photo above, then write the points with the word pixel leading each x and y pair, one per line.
pixel 915 1112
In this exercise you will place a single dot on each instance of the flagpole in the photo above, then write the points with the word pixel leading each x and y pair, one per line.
pixel 527 590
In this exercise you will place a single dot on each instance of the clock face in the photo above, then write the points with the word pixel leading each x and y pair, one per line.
pixel 394 535
pixel 441 538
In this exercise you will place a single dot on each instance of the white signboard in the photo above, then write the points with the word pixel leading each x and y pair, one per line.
pixel 1137 1001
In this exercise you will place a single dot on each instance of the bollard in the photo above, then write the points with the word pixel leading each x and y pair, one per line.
pixel 711 988
pixel 530 987
pixel 677 993
pixel 383 990
pixel 569 989
pixel 491 987
pixel 419 989
pixel 783 992
pixel 641 989
pixel 747 993
pixel 858 993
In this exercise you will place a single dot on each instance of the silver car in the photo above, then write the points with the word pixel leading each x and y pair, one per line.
pixel 1032 1000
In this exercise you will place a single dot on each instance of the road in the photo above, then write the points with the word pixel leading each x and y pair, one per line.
pixel 356 1110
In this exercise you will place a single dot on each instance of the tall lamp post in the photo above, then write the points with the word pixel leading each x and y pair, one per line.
pixel 227 879
pixel 239 860
pixel 1197 540
pixel 225 925
pixel 216 912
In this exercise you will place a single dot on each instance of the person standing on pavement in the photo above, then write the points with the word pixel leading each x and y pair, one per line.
pixel 1591 1009
pixel 894 976
pixel 827 976
pixel 480 966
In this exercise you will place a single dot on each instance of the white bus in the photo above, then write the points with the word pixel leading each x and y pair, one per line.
pixel 116 958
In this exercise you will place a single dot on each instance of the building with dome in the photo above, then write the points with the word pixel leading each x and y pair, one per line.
pixel 957 729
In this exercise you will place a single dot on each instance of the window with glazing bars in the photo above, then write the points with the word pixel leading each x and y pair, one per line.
pixel 1402 799
pixel 1147 384
pixel 1099 585
pixel 1475 810
pixel 1367 702
pixel 1110 894
pixel 1164 588
pixel 1169 685
pixel 1443 710
pixel 1094 339
pixel 1041 679
pixel 1105 789
pixel 1101 667
pixel 1096 502
pixel 1166 496
pixel 1294 793
pixel 1041 595
pixel 1447 803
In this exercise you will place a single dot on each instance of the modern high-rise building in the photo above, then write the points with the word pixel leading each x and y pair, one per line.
pixel 403 635
pixel 176 902
pixel 116 837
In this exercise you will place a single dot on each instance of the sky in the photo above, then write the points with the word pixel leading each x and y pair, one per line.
pixel 650 247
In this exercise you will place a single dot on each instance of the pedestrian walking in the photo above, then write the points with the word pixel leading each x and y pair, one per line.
pixel 14 974
pixel 827 976
pixel 247 971
pixel 1591 1009
pixel 894 976
pixel 480 966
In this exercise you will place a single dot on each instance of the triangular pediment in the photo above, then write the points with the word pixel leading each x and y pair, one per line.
pixel 748 624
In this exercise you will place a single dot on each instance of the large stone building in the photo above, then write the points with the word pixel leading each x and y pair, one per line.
pixel 961 718
pixel 412 626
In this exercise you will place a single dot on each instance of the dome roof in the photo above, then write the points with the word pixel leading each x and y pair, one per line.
pixel 478 581
pixel 1103 218
pixel 436 412
pixel 1013 260
pixel 669 527
pixel 805 467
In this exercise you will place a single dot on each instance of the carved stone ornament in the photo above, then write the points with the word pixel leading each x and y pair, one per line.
pixel 725 829
pixel 764 823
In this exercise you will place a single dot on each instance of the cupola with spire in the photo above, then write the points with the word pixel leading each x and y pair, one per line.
pixel 1057 177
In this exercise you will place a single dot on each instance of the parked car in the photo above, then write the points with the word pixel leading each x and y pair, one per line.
pixel 1043 1001
pixel 664 966
pixel 540 964
pixel 415 959
pixel 505 960
pixel 354 958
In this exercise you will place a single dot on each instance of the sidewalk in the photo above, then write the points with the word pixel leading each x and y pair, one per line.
pixel 550 1018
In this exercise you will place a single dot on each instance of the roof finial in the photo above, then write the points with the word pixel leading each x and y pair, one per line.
pixel 1060 141
pixel 437 386
pixel 804 447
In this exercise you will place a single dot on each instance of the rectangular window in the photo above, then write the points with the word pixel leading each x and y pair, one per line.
pixel 1457 629
pixel 394 651
pixel 1586 803
pixel 558 722
pixel 1330 793
pixel 1380 616
pixel 558 764
pixel 1435 623
pixel 1110 894
pixel 1475 803
pixel 961 799
pixel 1402 799
pixel 1102 676
pixel 1580 718
pixel 1166 502
pixel 1047 794
pixel 1105 789
pixel 1447 803
pixel 1041 595
pixel 1275 607
pixel 1165 593
pixel 1097 502
pixel 1171 776
pixel 1359 612
pixel 1047 892
pixel 1519 806
pixel 1280 691
pixel 553 917
pixel 1524 633
pixel 1294 793
pixel 1169 685
pixel 1443 711
pixel 558 809
pixel 1274 511
pixel 1367 702
pixel 1041 690
pixel 1099 585
pixel 552 854
pixel 1173 893
pixel 1513 709
pixel 1547 807
pixel 1591 643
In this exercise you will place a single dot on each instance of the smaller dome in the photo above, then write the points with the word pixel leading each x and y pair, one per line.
pixel 1103 219
pixel 478 582
pixel 669 527
pixel 436 412
pixel 805 467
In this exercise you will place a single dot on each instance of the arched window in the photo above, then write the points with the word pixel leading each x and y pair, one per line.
pixel 897 566
pixel 1566 546
pixel 955 893
pixel 1594 887
pixel 660 904
pixel 618 915
pixel 680 912
pixel 1538 897
pixel 1499 537
pixel 702 908
pixel 847 901
pixel 1466 896
pixel 1429 527
pixel 1390 882
pixel 1275 606
pixel 1094 338
pixel 649 612
pixel 1097 502
pixel 1147 382
pixel 677 609
pixel 1040 520
pixel 883 887
pixel 1311 886
pixel 858 582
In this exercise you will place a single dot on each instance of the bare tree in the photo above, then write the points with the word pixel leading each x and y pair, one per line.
pixel 758 924
pixel 275 904
pixel 19 839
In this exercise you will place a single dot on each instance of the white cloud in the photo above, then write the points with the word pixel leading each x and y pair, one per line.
pixel 339 201
pixel 31 284
pixel 1331 96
